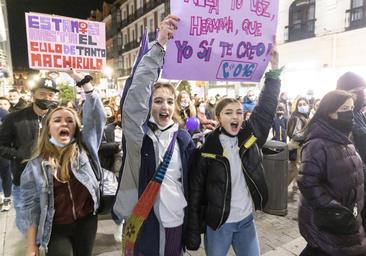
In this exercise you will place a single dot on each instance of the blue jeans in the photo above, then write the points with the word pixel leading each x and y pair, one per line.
pixel 5 177
pixel 17 203
pixel 241 235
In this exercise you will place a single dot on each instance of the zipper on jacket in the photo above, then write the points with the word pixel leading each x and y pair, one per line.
pixel 225 194
pixel 255 185
pixel 72 201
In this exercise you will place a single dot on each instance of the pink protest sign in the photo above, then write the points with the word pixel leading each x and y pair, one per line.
pixel 221 39
pixel 56 42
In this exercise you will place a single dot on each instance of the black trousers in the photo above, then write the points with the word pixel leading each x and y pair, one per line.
pixel 76 239
pixel 313 251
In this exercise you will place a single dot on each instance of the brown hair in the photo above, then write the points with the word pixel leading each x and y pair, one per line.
pixel 169 87
pixel 223 103
pixel 60 160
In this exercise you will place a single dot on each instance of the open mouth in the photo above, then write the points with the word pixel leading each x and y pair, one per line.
pixel 164 115
pixel 234 125
pixel 64 133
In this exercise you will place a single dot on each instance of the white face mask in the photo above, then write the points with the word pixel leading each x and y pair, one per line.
pixel 184 104
pixel 14 102
pixel 251 98
pixel 58 144
pixel 202 109
pixel 212 102
pixel 304 109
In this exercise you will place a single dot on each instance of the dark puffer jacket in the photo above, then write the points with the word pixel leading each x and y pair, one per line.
pixel 210 183
pixel 331 171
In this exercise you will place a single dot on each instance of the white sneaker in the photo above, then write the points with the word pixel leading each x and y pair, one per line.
pixel 118 233
pixel 6 205
pixel 1 199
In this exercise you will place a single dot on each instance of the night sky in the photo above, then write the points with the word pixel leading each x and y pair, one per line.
pixel 17 8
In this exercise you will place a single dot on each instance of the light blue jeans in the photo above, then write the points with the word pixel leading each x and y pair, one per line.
pixel 17 203
pixel 241 235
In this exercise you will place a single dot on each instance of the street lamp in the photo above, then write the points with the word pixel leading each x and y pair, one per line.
pixel 31 84
pixel 108 71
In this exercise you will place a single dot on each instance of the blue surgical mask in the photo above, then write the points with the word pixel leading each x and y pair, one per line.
pixel 58 144
pixel 303 109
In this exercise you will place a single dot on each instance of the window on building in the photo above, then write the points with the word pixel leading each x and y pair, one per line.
pixel 151 25
pixel 141 30
pixel 126 39
pixel 301 20
pixel 356 16
pixel 162 16
pixel 132 9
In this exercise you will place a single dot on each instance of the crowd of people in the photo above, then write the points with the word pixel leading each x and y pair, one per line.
pixel 172 188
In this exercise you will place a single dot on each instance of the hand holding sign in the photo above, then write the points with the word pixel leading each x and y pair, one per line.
pixel 167 28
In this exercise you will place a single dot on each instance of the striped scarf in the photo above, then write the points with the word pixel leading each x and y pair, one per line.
pixel 145 203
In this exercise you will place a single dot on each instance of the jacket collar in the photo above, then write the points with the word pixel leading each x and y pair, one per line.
pixel 213 145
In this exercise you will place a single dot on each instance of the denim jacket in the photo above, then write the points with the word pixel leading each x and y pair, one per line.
pixel 37 196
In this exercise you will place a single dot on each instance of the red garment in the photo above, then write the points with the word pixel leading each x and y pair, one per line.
pixel 72 201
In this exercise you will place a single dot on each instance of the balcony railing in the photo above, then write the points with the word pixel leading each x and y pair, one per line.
pixel 124 23
pixel 139 12
pixel 356 18
pixel 131 45
pixel 131 18
pixel 152 4
pixel 300 31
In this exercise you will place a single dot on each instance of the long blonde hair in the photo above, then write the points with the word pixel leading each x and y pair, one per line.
pixel 180 115
pixel 60 159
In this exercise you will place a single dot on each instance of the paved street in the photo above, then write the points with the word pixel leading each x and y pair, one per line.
pixel 279 236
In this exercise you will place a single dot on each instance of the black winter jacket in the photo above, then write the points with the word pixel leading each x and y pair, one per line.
pixel 18 136
pixel 210 182
pixel 108 148
pixel 330 176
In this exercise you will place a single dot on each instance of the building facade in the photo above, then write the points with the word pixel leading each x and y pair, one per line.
pixel 6 71
pixel 128 19
pixel 318 41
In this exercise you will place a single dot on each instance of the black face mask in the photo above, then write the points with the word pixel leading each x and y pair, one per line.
pixel 45 104
pixel 344 123
pixel 110 119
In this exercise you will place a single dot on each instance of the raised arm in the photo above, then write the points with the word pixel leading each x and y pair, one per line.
pixel 94 118
pixel 262 117
pixel 135 112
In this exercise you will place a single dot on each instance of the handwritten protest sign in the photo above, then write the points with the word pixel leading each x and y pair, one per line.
pixel 221 39
pixel 60 43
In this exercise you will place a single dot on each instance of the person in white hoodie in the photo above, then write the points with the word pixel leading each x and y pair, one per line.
pixel 150 135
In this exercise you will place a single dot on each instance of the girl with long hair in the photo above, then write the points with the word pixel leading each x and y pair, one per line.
pixel 152 195
pixel 229 175
pixel 59 190
pixel 295 128
pixel 331 182
pixel 184 108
